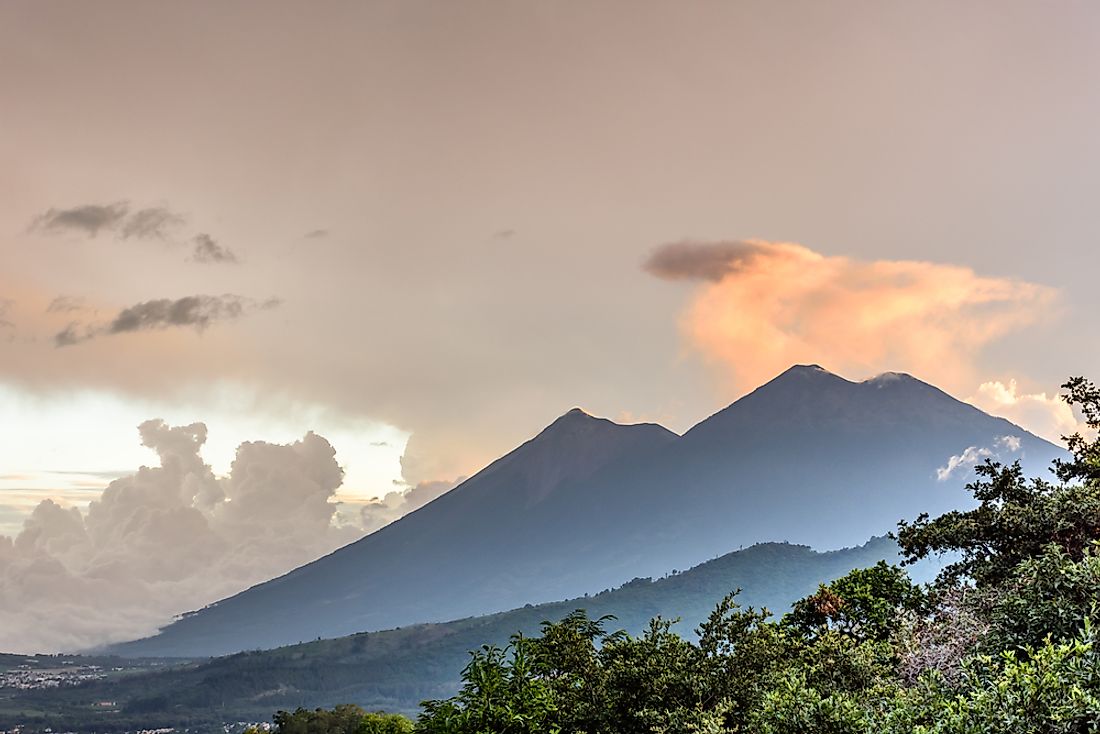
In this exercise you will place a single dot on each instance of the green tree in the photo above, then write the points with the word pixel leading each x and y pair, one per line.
pixel 383 723
pixel 865 604
pixel 344 719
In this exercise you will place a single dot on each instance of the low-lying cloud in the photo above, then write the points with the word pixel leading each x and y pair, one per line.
pixel 196 312
pixel 166 539
pixel 1001 448
pixel 763 306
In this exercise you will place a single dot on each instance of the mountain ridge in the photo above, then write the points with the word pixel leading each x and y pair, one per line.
pixel 809 457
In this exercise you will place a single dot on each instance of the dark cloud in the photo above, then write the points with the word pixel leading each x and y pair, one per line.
pixel 66 304
pixel 689 260
pixel 316 234
pixel 150 223
pixel 71 335
pixel 5 306
pixel 207 250
pixel 196 312
pixel 89 218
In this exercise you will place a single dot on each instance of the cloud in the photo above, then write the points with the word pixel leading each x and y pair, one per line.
pixel 197 312
pixel 316 234
pixel 712 261
pixel 66 304
pixel 6 306
pixel 973 454
pixel 89 219
pixel 763 306
pixel 166 539
pixel 1044 415
pixel 72 334
pixel 207 250
pixel 151 223
pixel 148 223
pixel 395 505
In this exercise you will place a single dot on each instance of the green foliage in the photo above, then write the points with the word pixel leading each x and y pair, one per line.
pixel 1053 688
pixel 501 694
pixel 863 605
pixel 1050 595
pixel 383 723
pixel 1085 464
pixel 344 719
pixel 1015 520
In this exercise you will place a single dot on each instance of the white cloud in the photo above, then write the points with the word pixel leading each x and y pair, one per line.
pixel 973 454
pixel 166 539
pixel 1044 415
pixel 394 505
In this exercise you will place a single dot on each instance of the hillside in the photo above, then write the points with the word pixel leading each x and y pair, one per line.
pixel 398 668
pixel 807 458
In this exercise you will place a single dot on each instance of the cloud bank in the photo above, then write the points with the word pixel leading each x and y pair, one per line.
pixel 763 306
pixel 166 539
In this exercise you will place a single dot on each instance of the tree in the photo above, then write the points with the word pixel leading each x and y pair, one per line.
pixel 1017 519
pixel 865 604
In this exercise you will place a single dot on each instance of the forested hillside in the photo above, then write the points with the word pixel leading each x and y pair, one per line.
pixel 396 669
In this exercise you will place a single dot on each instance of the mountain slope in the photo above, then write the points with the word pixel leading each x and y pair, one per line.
pixel 396 669
pixel 809 458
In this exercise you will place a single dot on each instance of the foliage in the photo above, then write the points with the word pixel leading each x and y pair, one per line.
pixel 863 605
pixel 938 641
pixel 344 719
pixel 1049 595
pixel 501 693
pixel 1017 519
pixel 1053 688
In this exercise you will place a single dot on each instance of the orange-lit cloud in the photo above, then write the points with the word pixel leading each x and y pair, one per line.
pixel 763 306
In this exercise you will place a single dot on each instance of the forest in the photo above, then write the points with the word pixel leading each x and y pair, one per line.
pixel 1004 639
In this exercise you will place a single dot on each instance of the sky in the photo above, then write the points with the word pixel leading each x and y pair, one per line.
pixel 423 230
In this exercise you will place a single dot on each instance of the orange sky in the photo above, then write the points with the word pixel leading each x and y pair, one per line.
pixel 452 203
